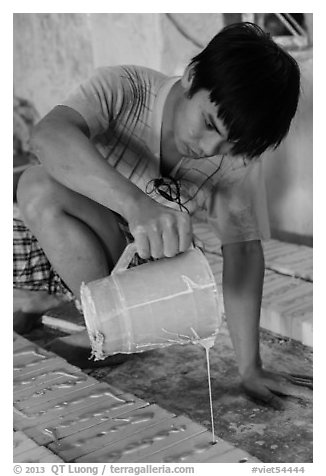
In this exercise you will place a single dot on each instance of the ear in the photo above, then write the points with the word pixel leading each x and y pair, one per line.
pixel 187 77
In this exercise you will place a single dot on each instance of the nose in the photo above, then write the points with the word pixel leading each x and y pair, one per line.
pixel 215 146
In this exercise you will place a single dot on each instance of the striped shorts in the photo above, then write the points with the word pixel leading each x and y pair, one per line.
pixel 32 269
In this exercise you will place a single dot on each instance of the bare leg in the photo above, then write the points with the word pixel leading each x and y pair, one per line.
pixel 80 237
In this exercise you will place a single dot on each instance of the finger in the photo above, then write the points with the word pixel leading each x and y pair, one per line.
pixel 185 232
pixel 300 380
pixel 142 243
pixel 280 384
pixel 263 395
pixel 300 391
pixel 278 388
pixel 302 383
pixel 282 387
pixel 290 390
pixel 303 376
pixel 170 241
pixel 272 401
pixel 156 242
pixel 303 380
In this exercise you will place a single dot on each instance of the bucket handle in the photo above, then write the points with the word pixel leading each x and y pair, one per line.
pixel 128 254
pixel 124 260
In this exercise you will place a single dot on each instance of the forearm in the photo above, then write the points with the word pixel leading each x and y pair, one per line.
pixel 71 158
pixel 61 142
pixel 243 275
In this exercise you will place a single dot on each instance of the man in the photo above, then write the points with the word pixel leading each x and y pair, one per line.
pixel 201 135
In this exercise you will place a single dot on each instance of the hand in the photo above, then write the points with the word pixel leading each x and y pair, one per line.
pixel 159 231
pixel 268 386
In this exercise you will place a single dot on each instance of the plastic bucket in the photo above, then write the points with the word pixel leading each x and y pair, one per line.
pixel 160 303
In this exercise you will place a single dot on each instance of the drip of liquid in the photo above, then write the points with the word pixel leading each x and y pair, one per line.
pixel 102 415
pixel 145 442
pixel 178 458
pixel 93 395
pixel 61 406
pixel 51 388
pixel 131 421
pixel 60 372
pixel 34 351
pixel 207 344
pixel 33 363
pixel 22 413
pixel 52 432
pixel 122 423
pixel 146 416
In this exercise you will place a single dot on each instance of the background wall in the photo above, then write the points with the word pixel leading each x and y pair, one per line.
pixel 54 52
pixel 289 170
pixel 125 38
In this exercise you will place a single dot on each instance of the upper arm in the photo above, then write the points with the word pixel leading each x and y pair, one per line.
pixel 238 210
pixel 90 107
pixel 61 117
pixel 101 98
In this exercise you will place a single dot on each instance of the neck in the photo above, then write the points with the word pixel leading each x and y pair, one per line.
pixel 169 153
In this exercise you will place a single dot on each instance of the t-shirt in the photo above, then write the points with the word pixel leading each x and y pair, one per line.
pixel 123 108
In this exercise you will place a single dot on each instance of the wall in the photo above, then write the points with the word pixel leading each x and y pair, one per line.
pixel 126 38
pixel 52 53
pixel 289 169
pixel 184 35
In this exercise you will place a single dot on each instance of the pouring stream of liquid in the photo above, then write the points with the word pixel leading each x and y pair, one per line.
pixel 207 344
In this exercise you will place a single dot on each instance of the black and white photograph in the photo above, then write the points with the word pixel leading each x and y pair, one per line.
pixel 162 242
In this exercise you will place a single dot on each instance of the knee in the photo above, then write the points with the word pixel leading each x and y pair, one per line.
pixel 35 194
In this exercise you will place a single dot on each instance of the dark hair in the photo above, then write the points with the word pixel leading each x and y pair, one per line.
pixel 254 83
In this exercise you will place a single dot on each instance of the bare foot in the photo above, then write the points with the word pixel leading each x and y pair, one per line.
pixel 29 306
pixel 25 322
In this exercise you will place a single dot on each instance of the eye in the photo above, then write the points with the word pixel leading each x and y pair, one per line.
pixel 209 125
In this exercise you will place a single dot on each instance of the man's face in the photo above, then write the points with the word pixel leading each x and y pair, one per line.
pixel 198 132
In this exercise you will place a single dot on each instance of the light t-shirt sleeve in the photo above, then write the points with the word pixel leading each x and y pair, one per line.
pixel 237 209
pixel 100 99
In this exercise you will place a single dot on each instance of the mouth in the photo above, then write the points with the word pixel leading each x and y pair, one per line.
pixel 193 154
